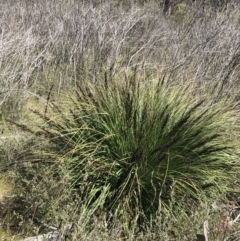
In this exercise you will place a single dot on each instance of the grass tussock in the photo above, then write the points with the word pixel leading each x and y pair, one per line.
pixel 131 148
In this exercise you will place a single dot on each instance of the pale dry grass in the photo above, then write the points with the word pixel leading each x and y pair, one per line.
pixel 51 42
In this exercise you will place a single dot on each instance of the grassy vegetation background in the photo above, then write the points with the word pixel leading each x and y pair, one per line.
pixel 120 121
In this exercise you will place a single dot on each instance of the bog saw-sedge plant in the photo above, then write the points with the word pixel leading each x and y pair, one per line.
pixel 129 146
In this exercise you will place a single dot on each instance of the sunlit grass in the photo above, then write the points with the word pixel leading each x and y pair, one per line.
pixel 120 153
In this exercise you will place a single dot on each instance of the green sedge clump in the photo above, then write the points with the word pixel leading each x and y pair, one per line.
pixel 131 146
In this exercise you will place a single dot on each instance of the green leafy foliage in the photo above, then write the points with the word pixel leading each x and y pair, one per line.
pixel 131 145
